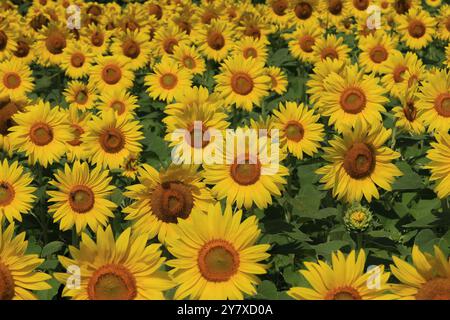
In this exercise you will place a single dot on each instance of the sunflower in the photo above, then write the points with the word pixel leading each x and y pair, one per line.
pixel 16 80
pixel 16 192
pixel 216 255
pixel 42 133
pixel 278 12
pixel 375 50
pixel 359 8
pixel 443 27
pixel 242 82
pixel 80 95
pixel 416 28
pixel 51 42
pixel 303 10
pixel 330 47
pixel 134 47
pixel 111 138
pixel 407 117
pixel 250 47
pixel 122 269
pixel 167 37
pixel 120 101
pixel 299 129
pixel 168 80
pixel 97 38
pixel 253 25
pixel 18 276
pixel 352 97
pixel 439 166
pixel 301 41
pixel 8 43
pixel 78 121
pixel 402 7
pixel 111 73
pixel 25 50
pixel 216 40
pixel 189 58
pixel 334 11
pixel 8 108
pixel 130 166
pixel 433 3
pixel 344 279
pixel 278 80
pixel 77 60
pixel 428 278
pixel 162 199
pixel 195 96
pixel 359 163
pixel 434 101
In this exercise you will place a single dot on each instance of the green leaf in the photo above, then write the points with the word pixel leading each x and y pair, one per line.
pixel 410 179
pixel 52 248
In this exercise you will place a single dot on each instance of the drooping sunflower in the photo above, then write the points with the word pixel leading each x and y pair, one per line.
pixel 111 138
pixel 122 269
pixel 8 43
pixel 81 197
pixel 16 192
pixel 168 80
pixel 42 133
pixel 111 73
pixel 167 37
pixel 352 97
pixel 439 166
pixel 330 47
pixel 417 28
pixel 375 50
pixel 78 122
pixel 80 95
pixel 299 129
pixel 359 163
pixel 302 40
pixel 215 40
pixel 216 255
pixel 51 42
pixel 278 80
pixel 427 278
pixel 189 58
pixel 77 60
pixel 434 101
pixel 344 279
pixel 242 82
pixel 134 47
pixel 18 276
pixel 120 101
pixel 16 80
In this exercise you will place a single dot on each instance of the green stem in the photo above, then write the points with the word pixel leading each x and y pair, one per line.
pixel 445 205
pixel 359 240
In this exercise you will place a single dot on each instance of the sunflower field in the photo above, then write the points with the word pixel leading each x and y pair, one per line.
pixel 123 174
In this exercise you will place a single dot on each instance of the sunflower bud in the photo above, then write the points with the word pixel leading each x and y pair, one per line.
pixel 357 218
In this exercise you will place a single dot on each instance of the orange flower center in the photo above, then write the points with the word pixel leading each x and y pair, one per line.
pixel 246 173
pixel 216 40
pixel 402 6
pixel 306 43
pixel 81 199
pixel 378 54
pixel 155 10
pixel 77 60
pixel 112 282
pixel 194 135
pixel 131 49
pixel 55 42
pixel 329 52
pixel 353 100
pixel 361 4
pixel 189 62
pixel 279 7
pixel 435 289
pixel 118 106
pixel 6 283
pixel 442 104
pixel 172 200
pixel 410 111
pixel 250 52
pixel 23 49
pixel 7 193
pixel 11 80
pixel 343 293
pixel 168 81
pixel 241 83
pixel 169 44
pixel 252 31
pixel 41 134
pixel 77 131
pixel 81 97
pixel 359 161
pixel 218 261
pixel 398 73
pixel 416 28
pixel 97 39
pixel 335 7
pixel 294 131
pixel 303 10
pixel 112 140
pixel 111 74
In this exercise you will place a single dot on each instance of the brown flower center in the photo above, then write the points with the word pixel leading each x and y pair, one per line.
pixel 335 7
pixel 250 52
pixel 6 283
pixel 97 39
pixel 216 40
pixel 378 54
pixel 410 111
pixel 11 80
pixel 343 293
pixel 398 73
pixel 23 49
pixel 359 161
pixel 131 49
pixel 361 4
pixel 112 140
pixel 112 282
pixel 77 131
pixel 81 97
pixel 7 193
pixel 279 7
pixel 306 43
pixel 402 6
pixel 353 100
pixel 246 173
pixel 55 42
pixel 7 110
pixel 241 83
pixel 252 31
pixel 169 44
pixel 172 200
pixel 168 81
pixel 435 289
pixel 3 40
pixel 81 199
pixel 294 131
pixel 95 10
pixel 188 62
pixel 155 10
pixel 41 134
pixel 416 28
pixel 38 22
pixel 111 74
pixel 273 81
pixel 329 52
pixel 208 16
pixel 195 135
pixel 442 104
pixel 77 60
pixel 118 106
pixel 303 10
pixel 447 24
pixel 218 261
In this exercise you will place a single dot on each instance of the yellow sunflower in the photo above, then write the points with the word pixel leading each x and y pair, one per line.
pixel 330 47
pixel 77 60
pixel 302 40
pixel 189 58
pixel 439 166
pixel 111 73
pixel 334 11
pixel 42 133
pixel 359 162
pixel 433 3
pixel 18 277
pixel 278 80
pixel 427 278
pixel 111 138
pixel 299 129
pixel 78 122
pixel 303 10
pixel 251 47
pixel 242 82
pixel 122 269
pixel 120 101
pixel 215 40
pixel 8 108
pixel 167 37
pixel 16 80
pixel 25 50
pixel 51 42
pixel 416 28
pixel 359 8
pixel 344 279
pixel 80 95
pixel 278 12
pixel 443 28
pixel 216 255
pixel 97 38
pixel 375 50
pixel 134 47
pixel 8 42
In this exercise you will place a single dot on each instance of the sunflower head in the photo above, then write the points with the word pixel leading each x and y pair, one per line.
pixel 357 218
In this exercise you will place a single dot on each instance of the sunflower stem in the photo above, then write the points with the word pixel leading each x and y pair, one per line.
pixel 359 241
pixel 445 206
pixel 74 237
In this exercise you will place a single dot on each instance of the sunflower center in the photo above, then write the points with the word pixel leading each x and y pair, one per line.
pixel 77 60
pixel 279 7
pixel 77 131
pixel 353 100
pixel 6 283
pixel 81 199
pixel 250 52
pixel 189 62
pixel 168 81
pixel 111 74
pixel 81 97
pixel 3 40
pixel 416 29
pixel 112 282
pixel 410 111
pixel 398 73
pixel 94 10
pixel 402 6
pixel 169 44
pixel 172 200
pixel 329 52
pixel 435 289
pixel 7 110
pixel 246 173
pixel 216 40
pixel 253 31
pixel 97 39
pixel 442 104
pixel 306 43
pixel 131 49
pixel 303 10
pixel 11 80
pixel 378 54
pixel 194 135
pixel 447 24
pixel 39 21
pixel 361 4
pixel 359 161
pixel 273 81
pixel 112 140
pixel 335 7
pixel 55 42
pixel 294 131
pixel 41 134
pixel 218 261
pixel 241 83
pixel 118 106
pixel 343 293
pixel 22 49
pixel 7 193
pixel 155 10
